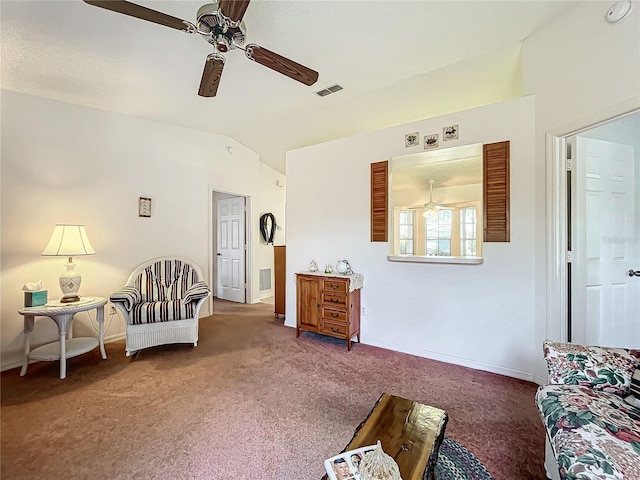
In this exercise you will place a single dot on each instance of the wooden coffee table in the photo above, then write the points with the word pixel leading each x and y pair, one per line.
pixel 409 431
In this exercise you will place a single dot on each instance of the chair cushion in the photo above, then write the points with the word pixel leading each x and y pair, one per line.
pixel 164 311
pixel 196 291
pixel 165 280
pixel 128 296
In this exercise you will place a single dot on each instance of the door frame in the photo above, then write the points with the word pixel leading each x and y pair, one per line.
pixel 556 212
pixel 212 243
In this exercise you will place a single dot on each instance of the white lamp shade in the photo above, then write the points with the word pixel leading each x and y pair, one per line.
pixel 68 241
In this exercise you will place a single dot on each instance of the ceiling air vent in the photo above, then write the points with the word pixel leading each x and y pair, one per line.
pixel 329 90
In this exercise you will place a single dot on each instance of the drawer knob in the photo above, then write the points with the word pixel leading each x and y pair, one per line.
pixel 335 330
pixel 334 286
pixel 334 315
pixel 333 300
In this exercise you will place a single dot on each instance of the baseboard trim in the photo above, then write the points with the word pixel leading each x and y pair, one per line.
pixel 464 362
pixel 540 380
pixel 455 360
pixel 15 360
pixel 114 338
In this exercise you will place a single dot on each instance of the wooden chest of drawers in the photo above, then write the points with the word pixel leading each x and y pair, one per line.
pixel 325 305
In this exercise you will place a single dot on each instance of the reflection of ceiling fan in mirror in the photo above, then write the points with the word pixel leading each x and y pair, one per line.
pixel 220 24
pixel 430 206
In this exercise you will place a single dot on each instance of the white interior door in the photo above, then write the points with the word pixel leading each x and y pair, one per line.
pixel 605 300
pixel 231 249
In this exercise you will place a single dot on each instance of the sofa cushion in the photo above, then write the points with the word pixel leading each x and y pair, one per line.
pixel 164 311
pixel 594 434
pixel 606 369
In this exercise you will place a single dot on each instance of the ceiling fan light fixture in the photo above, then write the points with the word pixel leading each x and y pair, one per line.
pixel 222 43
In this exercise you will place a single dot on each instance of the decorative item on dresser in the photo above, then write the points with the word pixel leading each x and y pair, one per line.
pixel 329 305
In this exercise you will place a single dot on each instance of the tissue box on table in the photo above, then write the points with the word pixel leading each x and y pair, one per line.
pixel 35 299
pixel 34 295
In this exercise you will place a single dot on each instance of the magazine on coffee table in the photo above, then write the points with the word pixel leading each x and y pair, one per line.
pixel 346 465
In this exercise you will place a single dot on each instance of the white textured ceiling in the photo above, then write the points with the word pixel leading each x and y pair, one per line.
pixel 77 53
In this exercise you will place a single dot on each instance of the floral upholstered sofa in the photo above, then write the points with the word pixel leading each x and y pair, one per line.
pixel 591 412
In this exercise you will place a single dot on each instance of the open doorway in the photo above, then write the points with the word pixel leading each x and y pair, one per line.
pixel 594 232
pixel 229 257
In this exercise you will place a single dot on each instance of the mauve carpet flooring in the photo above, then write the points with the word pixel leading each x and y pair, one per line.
pixel 249 402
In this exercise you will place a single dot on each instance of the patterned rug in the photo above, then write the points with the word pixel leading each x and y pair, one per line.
pixel 457 463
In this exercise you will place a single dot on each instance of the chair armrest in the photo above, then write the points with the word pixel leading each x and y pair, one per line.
pixel 195 292
pixel 128 296
pixel 601 368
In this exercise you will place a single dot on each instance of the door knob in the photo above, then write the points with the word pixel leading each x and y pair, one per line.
pixel 634 273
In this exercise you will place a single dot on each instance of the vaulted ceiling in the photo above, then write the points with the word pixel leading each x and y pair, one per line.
pixel 74 52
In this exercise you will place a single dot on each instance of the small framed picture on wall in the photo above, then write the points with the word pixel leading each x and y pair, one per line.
pixel 411 139
pixel 144 207
pixel 450 132
pixel 431 141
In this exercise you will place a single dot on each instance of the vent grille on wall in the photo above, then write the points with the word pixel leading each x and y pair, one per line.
pixel 265 279
pixel 329 90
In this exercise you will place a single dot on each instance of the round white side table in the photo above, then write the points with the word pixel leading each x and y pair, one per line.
pixel 62 314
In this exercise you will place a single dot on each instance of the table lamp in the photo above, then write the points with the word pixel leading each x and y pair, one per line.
pixel 68 241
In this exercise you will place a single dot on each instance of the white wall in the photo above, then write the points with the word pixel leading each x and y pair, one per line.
pixel 476 315
pixel 63 163
pixel 577 66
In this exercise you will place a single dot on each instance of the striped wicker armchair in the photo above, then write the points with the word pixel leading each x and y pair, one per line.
pixel 161 303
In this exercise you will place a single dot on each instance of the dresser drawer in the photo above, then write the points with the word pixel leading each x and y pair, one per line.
pixel 332 328
pixel 334 299
pixel 334 315
pixel 335 285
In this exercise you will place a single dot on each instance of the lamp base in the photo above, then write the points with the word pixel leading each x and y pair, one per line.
pixel 70 299
pixel 70 284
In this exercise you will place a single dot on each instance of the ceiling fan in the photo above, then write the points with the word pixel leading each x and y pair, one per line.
pixel 219 23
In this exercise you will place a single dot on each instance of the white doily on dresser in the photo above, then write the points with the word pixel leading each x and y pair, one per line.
pixel 356 281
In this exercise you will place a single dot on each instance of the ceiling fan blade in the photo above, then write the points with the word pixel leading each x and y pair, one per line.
pixel 138 11
pixel 233 9
pixel 211 75
pixel 281 64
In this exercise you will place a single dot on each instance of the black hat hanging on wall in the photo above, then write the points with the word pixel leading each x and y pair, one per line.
pixel 268 227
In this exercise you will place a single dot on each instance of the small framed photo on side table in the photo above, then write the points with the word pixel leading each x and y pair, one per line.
pixel 144 207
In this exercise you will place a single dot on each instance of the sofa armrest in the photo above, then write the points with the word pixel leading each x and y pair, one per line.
pixel 127 296
pixel 601 368
pixel 195 292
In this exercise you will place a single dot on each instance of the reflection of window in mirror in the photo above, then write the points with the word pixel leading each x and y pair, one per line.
pixel 436 200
